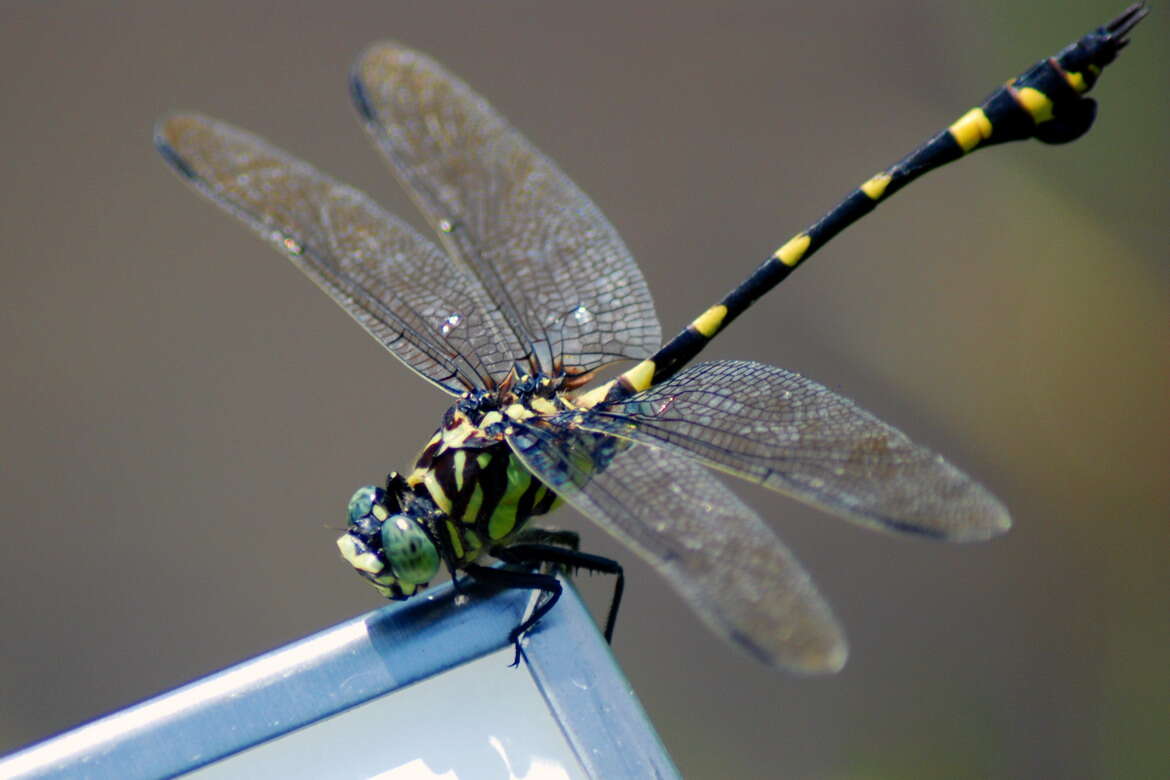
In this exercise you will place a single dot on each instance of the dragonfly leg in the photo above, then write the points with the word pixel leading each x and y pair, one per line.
pixel 537 554
pixel 508 578
pixel 560 537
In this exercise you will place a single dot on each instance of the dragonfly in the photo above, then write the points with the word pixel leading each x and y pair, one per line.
pixel 531 292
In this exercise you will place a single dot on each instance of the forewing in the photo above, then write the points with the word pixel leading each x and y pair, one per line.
pixel 788 433
pixel 709 545
pixel 554 266
pixel 400 287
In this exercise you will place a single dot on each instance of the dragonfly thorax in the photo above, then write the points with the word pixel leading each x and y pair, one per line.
pixel 466 494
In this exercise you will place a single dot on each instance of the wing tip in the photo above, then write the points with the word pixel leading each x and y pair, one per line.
pixel 166 132
pixel 818 662
pixel 832 661
pixel 386 52
pixel 963 512
pixel 361 99
pixel 823 653
pixel 379 54
pixel 986 518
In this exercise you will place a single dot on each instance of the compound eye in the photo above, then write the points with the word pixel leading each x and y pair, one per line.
pixel 411 555
pixel 367 510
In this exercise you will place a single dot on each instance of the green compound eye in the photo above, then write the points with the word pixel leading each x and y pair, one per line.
pixel 410 553
pixel 367 508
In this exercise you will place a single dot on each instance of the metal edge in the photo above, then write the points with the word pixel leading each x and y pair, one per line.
pixel 592 700
pixel 343 666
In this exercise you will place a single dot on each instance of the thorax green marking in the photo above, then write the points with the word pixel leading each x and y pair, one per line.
pixel 485 492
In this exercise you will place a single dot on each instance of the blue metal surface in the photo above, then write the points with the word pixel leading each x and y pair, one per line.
pixel 591 698
pixel 363 658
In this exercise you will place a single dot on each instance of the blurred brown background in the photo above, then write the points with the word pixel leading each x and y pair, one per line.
pixel 184 416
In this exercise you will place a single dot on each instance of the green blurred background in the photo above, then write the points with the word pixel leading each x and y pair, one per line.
pixel 184 416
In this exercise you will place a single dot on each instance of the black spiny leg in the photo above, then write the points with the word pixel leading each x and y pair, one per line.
pixel 538 554
pixel 532 534
pixel 507 578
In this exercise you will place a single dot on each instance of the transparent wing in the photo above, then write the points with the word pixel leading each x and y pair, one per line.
pixel 778 429
pixel 554 266
pixel 429 312
pixel 709 545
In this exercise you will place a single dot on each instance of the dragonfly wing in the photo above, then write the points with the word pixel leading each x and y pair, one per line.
pixel 555 267
pixel 709 545
pixel 778 429
pixel 400 287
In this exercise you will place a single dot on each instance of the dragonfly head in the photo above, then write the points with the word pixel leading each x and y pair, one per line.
pixel 387 544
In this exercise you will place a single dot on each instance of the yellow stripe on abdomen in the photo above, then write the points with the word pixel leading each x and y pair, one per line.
pixel 793 250
pixel 876 186
pixel 640 376
pixel 709 322
pixel 1035 103
pixel 971 129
